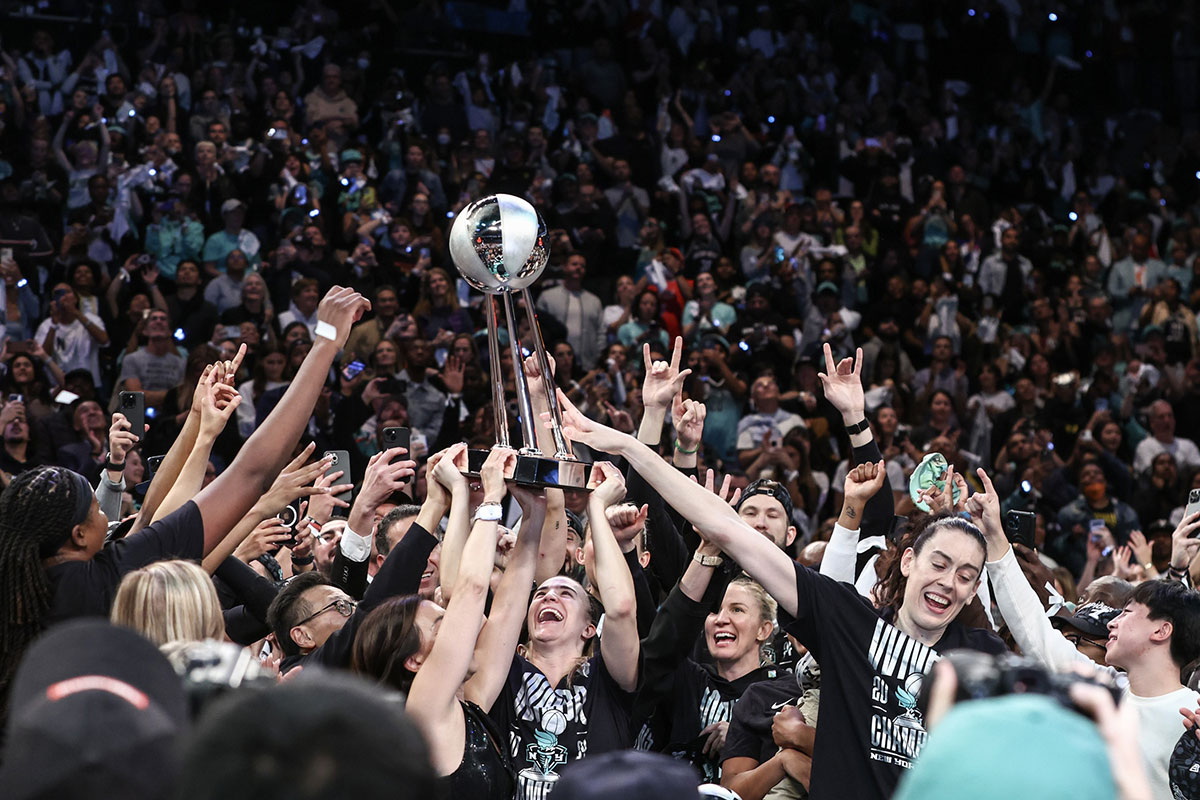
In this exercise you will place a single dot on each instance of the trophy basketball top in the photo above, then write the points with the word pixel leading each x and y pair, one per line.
pixel 499 244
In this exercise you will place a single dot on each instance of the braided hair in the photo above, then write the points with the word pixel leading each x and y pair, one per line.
pixel 38 511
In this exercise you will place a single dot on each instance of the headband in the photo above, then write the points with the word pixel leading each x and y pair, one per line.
pixel 83 503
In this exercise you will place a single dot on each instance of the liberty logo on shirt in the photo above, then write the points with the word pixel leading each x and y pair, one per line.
pixel 545 753
pixel 900 663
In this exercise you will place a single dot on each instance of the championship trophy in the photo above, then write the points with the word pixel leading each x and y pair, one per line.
pixel 499 246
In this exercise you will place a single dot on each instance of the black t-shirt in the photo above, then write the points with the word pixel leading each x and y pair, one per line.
pixel 749 734
pixel 87 588
pixel 551 726
pixel 871 675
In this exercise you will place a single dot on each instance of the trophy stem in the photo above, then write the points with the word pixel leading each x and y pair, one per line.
pixel 528 425
pixel 498 407
pixel 539 349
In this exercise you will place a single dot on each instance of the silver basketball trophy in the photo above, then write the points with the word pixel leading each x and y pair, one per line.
pixel 499 246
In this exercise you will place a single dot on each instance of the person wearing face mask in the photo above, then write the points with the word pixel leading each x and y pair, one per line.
pixel 1093 505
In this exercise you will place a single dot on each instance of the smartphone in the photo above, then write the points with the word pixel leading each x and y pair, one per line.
pixel 133 406
pixel 16 398
pixel 290 518
pixel 1020 527
pixel 1193 505
pixel 15 347
pixel 152 465
pixel 341 462
pixel 353 370
pixel 397 437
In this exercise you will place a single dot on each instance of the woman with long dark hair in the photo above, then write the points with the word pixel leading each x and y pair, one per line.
pixel 399 643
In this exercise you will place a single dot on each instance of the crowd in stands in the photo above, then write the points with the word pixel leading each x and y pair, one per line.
pixel 803 247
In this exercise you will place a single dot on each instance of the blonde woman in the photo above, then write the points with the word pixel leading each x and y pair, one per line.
pixel 169 601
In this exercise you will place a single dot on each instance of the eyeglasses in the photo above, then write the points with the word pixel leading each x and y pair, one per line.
pixel 1078 639
pixel 344 607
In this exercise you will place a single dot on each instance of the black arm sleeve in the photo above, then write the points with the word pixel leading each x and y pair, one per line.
pixel 668 552
pixel 646 606
pixel 676 628
pixel 245 623
pixel 399 575
pixel 350 576
pixel 877 515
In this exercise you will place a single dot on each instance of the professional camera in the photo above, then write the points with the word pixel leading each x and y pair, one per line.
pixel 981 676
pixel 210 669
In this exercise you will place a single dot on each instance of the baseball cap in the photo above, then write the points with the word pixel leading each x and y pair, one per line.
pixel 1091 618
pixel 351 155
pixel 233 204
pixel 629 775
pixel 769 487
pixel 1060 753
pixel 827 286
pixel 1183 769
pixel 95 711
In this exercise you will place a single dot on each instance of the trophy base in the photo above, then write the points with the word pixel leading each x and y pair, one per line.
pixel 553 473
pixel 475 459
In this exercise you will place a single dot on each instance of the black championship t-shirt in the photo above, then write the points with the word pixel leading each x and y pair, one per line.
pixel 551 726
pixel 871 675
pixel 87 588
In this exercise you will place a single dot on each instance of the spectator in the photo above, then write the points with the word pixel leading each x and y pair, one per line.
pixel 220 244
pixel 1162 439
pixel 578 310
pixel 156 368
pixel 74 337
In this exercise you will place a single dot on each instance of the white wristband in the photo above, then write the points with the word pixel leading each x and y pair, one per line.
pixel 326 330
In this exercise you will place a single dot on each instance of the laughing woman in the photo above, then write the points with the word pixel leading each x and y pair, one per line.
pixel 872 664
pixel 691 704
pixel 399 643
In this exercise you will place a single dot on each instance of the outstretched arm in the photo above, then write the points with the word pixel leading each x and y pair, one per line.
pixel 501 633
pixel 620 645
pixel 226 500
pixel 711 516
pixel 433 699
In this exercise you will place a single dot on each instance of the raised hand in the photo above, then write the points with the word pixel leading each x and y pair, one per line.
pixel 863 482
pixel 687 416
pixel 496 468
pixel 1143 551
pixel 444 468
pixel 578 428
pixel 297 479
pixel 984 508
pixel 384 475
pixel 726 492
pixel 843 384
pixel 626 521
pixel 341 308
pixel 663 380
pixel 120 439
pixel 324 499
pixel 607 484
pixel 267 537
pixel 1183 546
pixel 217 405
pixel 619 418
pixel 452 374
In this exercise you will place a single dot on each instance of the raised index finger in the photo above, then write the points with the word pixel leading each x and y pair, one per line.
pixel 237 360
pixel 676 354
pixel 646 356
pixel 986 481
pixel 830 367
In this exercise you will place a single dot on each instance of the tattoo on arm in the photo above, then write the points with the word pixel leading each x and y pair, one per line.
pixel 850 513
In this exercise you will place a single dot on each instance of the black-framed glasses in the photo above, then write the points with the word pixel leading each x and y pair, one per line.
pixel 1080 638
pixel 344 607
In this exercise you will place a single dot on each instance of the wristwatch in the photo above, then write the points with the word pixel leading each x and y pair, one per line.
pixel 858 427
pixel 488 512
pixel 708 561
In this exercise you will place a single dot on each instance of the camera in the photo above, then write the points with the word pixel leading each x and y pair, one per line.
pixel 981 676
pixel 1021 527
